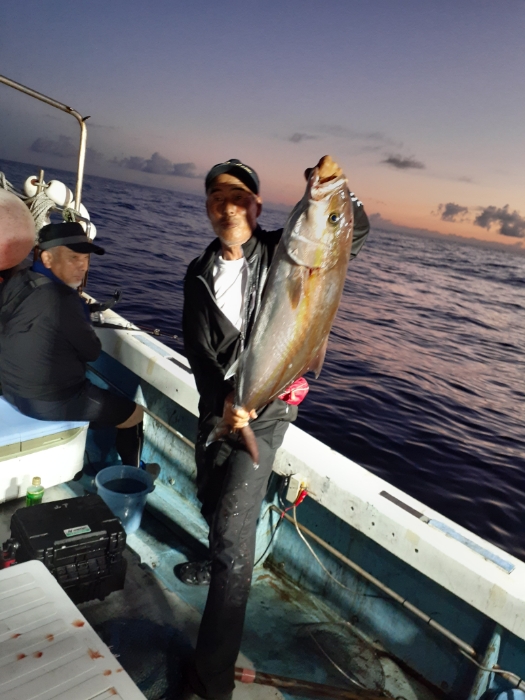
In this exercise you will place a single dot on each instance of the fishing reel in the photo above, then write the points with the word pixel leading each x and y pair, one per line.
pixel 99 307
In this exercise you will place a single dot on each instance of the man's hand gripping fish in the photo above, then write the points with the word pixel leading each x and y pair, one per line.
pixel 301 297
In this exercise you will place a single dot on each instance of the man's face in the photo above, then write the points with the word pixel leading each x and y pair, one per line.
pixel 68 266
pixel 232 209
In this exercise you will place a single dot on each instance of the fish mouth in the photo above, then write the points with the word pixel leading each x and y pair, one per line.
pixel 321 190
pixel 324 179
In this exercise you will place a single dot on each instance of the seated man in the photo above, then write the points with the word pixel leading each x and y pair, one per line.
pixel 46 341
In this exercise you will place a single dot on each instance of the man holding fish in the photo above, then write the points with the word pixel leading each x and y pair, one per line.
pixel 245 349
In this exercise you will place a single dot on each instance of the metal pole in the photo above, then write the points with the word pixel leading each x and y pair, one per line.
pixel 295 686
pixel 59 105
pixel 81 162
pixel 489 661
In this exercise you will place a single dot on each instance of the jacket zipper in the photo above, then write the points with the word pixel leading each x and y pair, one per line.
pixel 212 295
pixel 247 300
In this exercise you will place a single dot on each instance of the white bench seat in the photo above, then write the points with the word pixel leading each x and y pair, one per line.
pixel 52 450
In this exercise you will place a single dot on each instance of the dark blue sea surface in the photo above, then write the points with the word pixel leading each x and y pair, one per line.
pixel 424 378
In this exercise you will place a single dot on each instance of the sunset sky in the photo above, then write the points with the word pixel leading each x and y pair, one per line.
pixel 422 102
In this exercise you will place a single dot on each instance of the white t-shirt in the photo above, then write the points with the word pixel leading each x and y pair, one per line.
pixel 229 279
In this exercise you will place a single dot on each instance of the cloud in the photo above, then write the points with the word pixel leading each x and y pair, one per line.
pixel 402 163
pixel 343 132
pixel 369 140
pixel 452 212
pixel 63 147
pixel 95 125
pixel 377 222
pixel 509 223
pixel 298 136
pixel 158 165
pixel 184 170
pixel 131 163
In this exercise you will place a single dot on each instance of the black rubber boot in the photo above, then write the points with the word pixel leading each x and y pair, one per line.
pixel 194 573
pixel 129 444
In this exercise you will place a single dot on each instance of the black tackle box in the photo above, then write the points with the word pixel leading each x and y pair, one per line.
pixel 78 539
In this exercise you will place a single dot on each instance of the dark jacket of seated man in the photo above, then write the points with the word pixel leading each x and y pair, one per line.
pixel 46 337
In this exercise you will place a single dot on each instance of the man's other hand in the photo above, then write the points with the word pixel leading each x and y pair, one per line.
pixel 235 416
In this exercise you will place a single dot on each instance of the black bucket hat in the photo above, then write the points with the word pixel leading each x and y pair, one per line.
pixel 71 234
pixel 234 167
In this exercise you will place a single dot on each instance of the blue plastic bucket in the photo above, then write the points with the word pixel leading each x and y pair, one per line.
pixel 125 490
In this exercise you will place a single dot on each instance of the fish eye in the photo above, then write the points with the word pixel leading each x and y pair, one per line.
pixel 334 217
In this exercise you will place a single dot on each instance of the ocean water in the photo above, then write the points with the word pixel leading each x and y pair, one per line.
pixel 424 378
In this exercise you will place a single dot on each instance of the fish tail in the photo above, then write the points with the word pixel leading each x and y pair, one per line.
pixel 251 444
pixel 221 430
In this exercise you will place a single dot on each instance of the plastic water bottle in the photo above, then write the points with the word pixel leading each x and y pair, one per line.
pixel 34 492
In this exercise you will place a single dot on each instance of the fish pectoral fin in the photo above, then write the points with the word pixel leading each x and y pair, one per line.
pixel 295 286
pixel 220 431
pixel 233 369
pixel 316 364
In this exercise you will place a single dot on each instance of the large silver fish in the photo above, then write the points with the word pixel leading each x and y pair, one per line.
pixel 301 296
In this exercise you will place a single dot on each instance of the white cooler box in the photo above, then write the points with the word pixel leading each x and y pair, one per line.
pixel 52 450
pixel 48 650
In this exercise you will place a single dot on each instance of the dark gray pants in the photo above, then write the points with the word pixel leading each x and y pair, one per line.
pixel 231 492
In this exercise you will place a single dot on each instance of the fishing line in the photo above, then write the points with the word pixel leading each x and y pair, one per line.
pixel 314 554
pixel 336 666
pixel 300 498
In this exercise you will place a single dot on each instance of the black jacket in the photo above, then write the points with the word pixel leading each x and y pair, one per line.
pixel 212 343
pixel 45 338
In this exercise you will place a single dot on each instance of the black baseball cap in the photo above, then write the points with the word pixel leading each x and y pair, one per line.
pixel 71 234
pixel 234 167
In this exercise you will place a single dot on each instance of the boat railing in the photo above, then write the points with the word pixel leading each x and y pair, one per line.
pixel 68 110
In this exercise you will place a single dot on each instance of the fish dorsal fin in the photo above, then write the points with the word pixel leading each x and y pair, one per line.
pixel 295 285
pixel 233 369
pixel 316 364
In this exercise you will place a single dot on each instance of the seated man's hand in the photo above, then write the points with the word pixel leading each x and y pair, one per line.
pixel 235 416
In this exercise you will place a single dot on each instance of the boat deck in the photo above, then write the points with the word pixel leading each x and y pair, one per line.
pixel 152 624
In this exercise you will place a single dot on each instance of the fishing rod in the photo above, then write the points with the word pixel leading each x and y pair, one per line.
pixel 133 327
pixel 100 307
